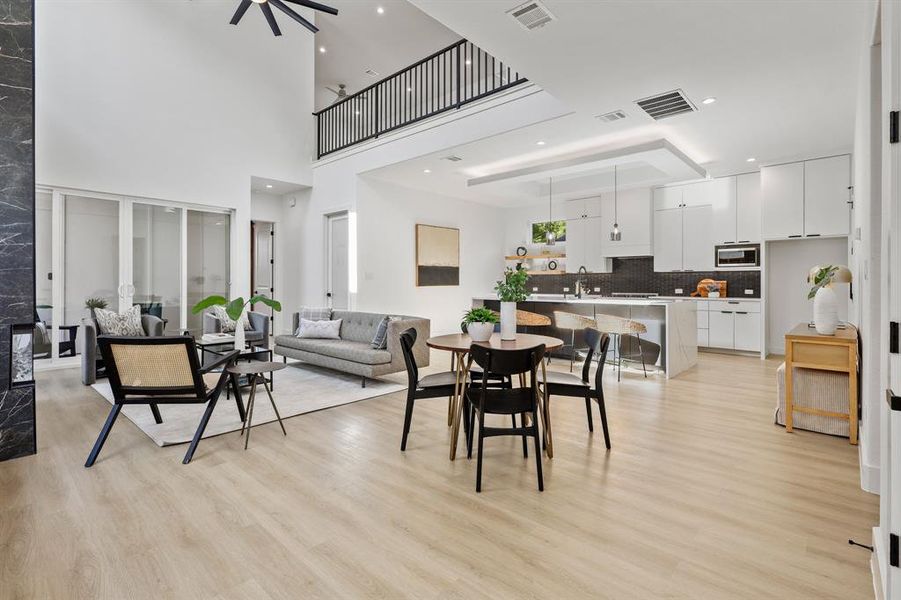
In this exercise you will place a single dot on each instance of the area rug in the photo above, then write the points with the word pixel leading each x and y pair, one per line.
pixel 299 389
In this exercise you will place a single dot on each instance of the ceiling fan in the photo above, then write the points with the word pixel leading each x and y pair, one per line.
pixel 280 4
pixel 341 93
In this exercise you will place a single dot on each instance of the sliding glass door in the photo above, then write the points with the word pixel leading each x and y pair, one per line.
pixel 113 251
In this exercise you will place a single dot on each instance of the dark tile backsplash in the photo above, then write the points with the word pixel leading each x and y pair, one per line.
pixel 636 275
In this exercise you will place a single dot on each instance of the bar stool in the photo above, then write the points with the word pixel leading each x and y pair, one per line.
pixel 617 327
pixel 572 322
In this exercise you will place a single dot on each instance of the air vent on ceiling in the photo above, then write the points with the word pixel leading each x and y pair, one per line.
pixel 452 158
pixel 609 117
pixel 531 15
pixel 372 73
pixel 666 105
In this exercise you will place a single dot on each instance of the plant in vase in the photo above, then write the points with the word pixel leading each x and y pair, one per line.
pixel 236 309
pixel 825 303
pixel 479 323
pixel 93 304
pixel 510 290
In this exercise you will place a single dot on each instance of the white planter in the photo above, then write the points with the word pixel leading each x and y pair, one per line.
pixel 480 332
pixel 239 333
pixel 825 311
pixel 508 320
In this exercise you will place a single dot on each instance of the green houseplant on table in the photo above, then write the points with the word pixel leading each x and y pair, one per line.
pixel 479 323
pixel 510 290
pixel 235 310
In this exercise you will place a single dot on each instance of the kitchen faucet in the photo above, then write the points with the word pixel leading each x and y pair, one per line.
pixel 579 282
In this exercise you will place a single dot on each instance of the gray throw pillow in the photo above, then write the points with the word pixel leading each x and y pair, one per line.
pixel 380 340
pixel 128 322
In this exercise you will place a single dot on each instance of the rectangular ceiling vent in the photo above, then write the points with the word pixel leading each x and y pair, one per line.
pixel 531 15
pixel 372 73
pixel 666 105
pixel 453 158
pixel 609 117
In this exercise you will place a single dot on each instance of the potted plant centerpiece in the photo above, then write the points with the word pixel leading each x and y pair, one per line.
pixel 825 303
pixel 510 291
pixel 236 309
pixel 479 323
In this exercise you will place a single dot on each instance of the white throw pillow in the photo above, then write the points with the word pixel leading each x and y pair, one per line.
pixel 323 330
pixel 128 322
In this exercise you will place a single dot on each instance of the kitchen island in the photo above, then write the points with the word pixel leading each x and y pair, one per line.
pixel 671 323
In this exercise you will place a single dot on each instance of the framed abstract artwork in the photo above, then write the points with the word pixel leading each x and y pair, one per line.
pixel 437 256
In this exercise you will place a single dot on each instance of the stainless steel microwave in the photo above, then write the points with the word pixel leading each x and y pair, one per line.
pixel 736 256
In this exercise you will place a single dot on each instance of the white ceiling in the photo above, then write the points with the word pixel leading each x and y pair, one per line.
pixel 784 72
pixel 274 186
pixel 360 38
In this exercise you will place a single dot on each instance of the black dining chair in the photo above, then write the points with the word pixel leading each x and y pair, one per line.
pixel 437 385
pixel 567 384
pixel 482 399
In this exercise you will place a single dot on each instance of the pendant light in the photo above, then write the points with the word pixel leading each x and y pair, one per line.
pixel 615 235
pixel 550 238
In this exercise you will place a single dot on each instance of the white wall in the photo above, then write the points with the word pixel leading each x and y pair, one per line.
pixel 167 100
pixel 386 227
pixel 787 265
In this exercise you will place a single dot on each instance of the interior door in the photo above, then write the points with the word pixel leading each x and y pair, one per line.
pixel 263 260
pixel 338 289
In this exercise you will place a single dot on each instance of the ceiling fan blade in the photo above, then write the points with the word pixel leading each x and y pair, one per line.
pixel 315 6
pixel 281 6
pixel 271 18
pixel 242 8
pixel 336 92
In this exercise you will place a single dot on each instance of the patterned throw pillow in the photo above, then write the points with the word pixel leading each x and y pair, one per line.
pixel 128 322
pixel 380 340
pixel 313 314
pixel 323 330
pixel 228 324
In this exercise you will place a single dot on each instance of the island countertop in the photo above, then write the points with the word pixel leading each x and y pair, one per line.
pixel 586 299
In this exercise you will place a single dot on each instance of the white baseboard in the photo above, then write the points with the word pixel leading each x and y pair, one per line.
pixel 869 478
pixel 875 566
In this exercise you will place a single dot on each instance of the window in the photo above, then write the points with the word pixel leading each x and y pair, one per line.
pixel 540 229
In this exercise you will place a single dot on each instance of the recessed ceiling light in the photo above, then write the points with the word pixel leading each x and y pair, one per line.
pixel 427 171
pixel 709 100
pixel 540 143
pixel 269 185
pixel 321 49
pixel 380 10
pixel 468 62
pixel 357 112
pixel 752 159
pixel 409 89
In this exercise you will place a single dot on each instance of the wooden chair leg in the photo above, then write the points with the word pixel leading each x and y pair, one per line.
pixel 156 413
pixel 588 411
pixel 525 440
pixel 408 417
pixel 104 433
pixel 537 453
pixel 472 426
pixel 200 429
pixel 603 408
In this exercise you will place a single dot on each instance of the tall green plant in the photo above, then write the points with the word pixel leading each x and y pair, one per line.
pixel 513 286
pixel 235 307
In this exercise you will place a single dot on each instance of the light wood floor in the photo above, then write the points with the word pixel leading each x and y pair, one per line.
pixel 701 497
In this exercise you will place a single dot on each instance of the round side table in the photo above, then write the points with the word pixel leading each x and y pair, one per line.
pixel 256 373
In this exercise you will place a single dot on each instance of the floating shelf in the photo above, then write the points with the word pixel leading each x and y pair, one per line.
pixel 536 256
pixel 531 273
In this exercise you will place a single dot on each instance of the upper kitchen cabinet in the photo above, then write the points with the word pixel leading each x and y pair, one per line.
pixel 747 208
pixel 667 197
pixel 583 208
pixel 782 188
pixel 668 239
pixel 806 199
pixel 826 196
pixel 720 195
pixel 583 246
pixel 633 212
pixel 697 238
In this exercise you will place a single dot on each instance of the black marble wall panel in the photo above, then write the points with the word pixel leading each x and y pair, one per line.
pixel 636 275
pixel 17 423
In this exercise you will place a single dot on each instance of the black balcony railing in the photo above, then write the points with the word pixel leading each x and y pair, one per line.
pixel 448 79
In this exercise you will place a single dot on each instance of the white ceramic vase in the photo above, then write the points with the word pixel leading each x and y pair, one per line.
pixel 480 332
pixel 825 311
pixel 239 333
pixel 508 320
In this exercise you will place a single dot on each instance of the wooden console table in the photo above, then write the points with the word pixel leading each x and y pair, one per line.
pixel 807 349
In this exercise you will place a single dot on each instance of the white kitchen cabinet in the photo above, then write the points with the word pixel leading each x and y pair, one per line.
pixel 594 261
pixel 667 197
pixel 668 239
pixel 703 338
pixel 697 238
pixel 634 213
pixel 721 328
pixel 720 194
pixel 575 244
pixel 747 331
pixel 582 208
pixel 826 195
pixel 583 246
pixel 782 190
pixel 697 194
pixel 747 208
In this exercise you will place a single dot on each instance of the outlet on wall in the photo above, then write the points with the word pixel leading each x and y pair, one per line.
pixel 534 289
pixel 749 292
pixel 597 290
pixel 566 289
pixel 678 291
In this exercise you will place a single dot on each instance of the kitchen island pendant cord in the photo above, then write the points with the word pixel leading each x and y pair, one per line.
pixel 550 237
pixel 615 235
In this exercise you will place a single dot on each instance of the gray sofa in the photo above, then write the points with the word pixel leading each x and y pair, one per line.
pixel 259 334
pixel 353 352
pixel 91 361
